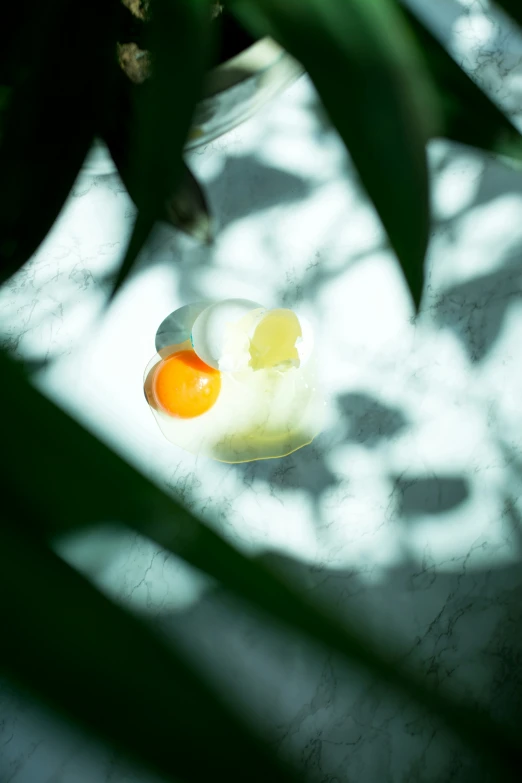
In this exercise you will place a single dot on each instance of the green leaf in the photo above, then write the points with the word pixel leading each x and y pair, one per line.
pixel 179 40
pixel 50 121
pixel 19 34
pixel 469 117
pixel 513 8
pixel 5 96
pixel 186 206
pixel 371 80
pixel 46 446
pixel 110 672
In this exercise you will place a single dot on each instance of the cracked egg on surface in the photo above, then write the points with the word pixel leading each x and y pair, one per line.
pixel 235 381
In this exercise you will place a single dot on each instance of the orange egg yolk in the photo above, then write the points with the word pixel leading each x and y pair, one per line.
pixel 184 386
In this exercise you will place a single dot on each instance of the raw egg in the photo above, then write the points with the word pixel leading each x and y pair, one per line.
pixel 268 405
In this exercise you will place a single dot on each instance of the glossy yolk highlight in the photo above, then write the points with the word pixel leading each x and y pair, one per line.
pixel 184 386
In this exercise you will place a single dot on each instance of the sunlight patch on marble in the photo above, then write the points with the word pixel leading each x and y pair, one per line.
pixel 472 31
pixel 490 232
pixel 456 186
pixel 367 304
pixel 482 240
pixel 154 581
pixel 478 4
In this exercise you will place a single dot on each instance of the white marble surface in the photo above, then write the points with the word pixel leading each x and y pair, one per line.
pixel 406 509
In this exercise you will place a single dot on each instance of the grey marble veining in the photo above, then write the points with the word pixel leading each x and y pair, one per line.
pixel 406 510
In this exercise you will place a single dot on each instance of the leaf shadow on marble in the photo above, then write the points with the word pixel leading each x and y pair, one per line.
pixel 311 471
pixel 363 420
pixel 429 495
pixel 368 421
pixel 306 287
pixel 265 187
pixel 335 721
pixel 248 184
pixel 462 626
pixel 305 470
pixel 475 310
pixel 66 292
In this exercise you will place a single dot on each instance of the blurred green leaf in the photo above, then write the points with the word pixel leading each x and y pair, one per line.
pixel 18 35
pixel 185 207
pixel 96 486
pixel 108 670
pixel 50 121
pixel 178 37
pixel 513 8
pixel 6 93
pixel 5 96
pixel 469 117
pixel 371 80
